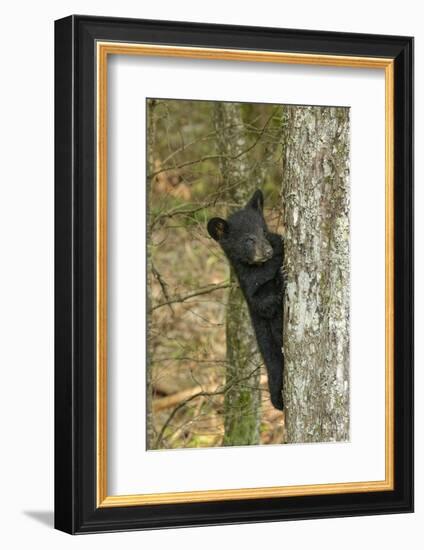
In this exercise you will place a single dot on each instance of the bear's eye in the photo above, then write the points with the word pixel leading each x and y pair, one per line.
pixel 250 240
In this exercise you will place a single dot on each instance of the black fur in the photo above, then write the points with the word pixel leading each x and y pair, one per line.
pixel 257 258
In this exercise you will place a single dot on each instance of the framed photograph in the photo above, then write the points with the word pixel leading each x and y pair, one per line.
pixel 234 274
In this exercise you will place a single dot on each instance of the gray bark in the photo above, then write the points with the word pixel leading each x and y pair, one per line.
pixel 242 400
pixel 315 197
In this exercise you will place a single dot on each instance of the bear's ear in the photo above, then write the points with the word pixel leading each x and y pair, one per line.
pixel 257 201
pixel 217 228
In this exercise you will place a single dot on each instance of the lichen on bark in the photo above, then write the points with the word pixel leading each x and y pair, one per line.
pixel 316 205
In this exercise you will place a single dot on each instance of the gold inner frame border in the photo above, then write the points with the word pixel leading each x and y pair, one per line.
pixel 103 50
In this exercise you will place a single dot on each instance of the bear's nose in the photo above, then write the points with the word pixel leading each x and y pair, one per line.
pixel 268 251
pixel 263 253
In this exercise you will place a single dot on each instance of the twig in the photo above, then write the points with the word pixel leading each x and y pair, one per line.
pixel 198 292
pixel 177 212
pixel 192 359
pixel 171 400
pixel 213 157
pixel 163 286
pixel 200 394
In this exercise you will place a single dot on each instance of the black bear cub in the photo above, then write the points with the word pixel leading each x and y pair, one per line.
pixel 257 257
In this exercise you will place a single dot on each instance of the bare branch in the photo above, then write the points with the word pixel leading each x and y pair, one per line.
pixel 198 292
pixel 214 157
pixel 163 285
pixel 201 394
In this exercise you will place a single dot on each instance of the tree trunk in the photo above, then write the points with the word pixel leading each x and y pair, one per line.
pixel 315 196
pixel 242 400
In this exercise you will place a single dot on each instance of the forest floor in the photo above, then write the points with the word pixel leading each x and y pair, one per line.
pixel 188 293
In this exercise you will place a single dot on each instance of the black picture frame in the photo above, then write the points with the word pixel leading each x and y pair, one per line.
pixel 76 509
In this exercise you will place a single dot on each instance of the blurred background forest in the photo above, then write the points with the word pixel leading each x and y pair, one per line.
pixel 206 385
